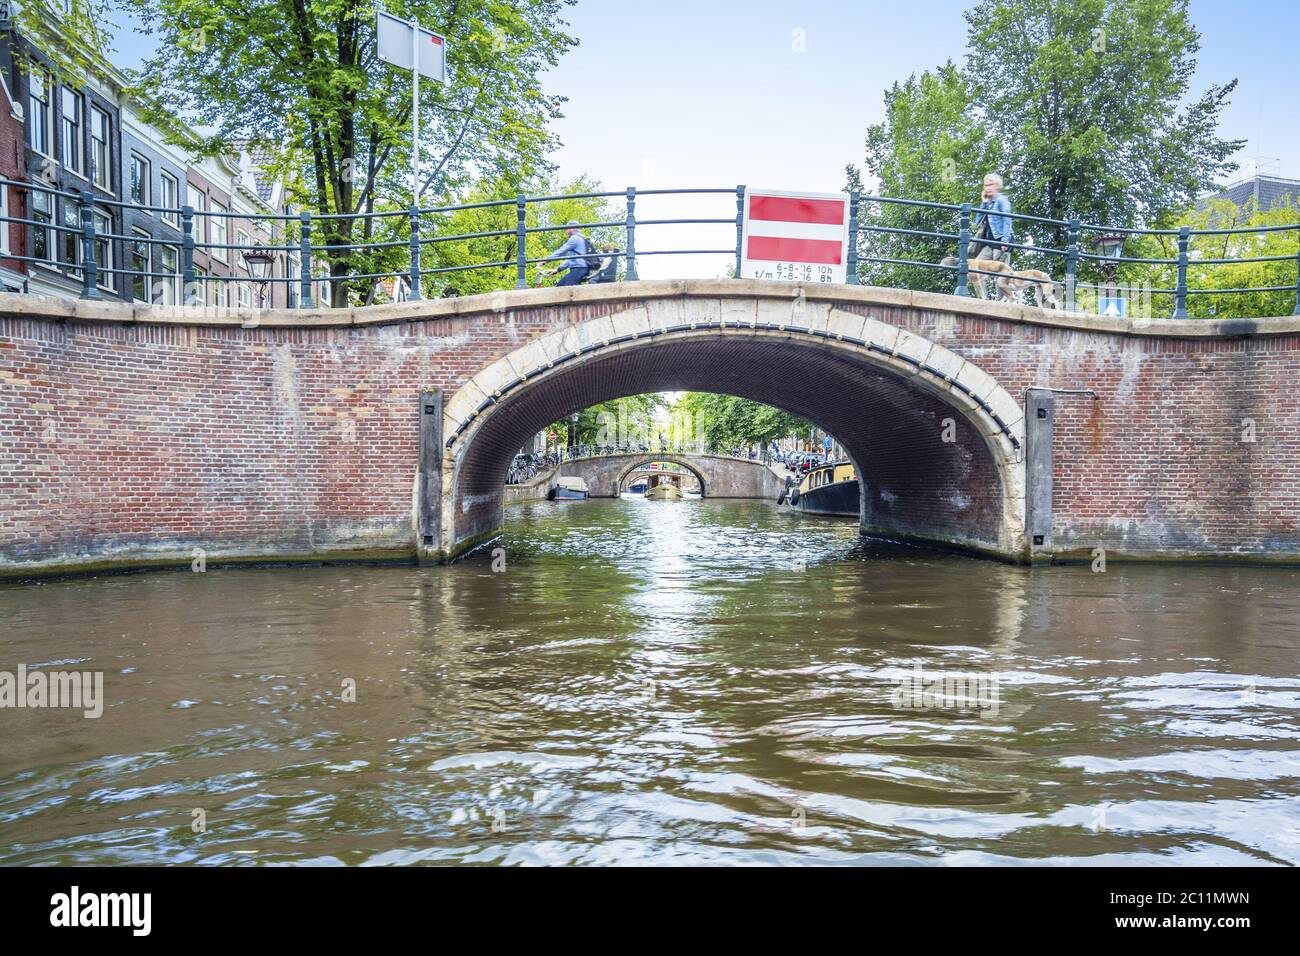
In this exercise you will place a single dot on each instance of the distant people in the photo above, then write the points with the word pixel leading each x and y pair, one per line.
pixel 608 271
pixel 993 231
pixel 826 446
pixel 574 255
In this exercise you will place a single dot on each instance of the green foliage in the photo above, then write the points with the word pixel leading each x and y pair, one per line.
pixel 502 248
pixel 731 422
pixel 630 419
pixel 1074 102
pixel 1223 214
pixel 303 80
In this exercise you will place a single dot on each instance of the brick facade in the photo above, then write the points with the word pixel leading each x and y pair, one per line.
pixel 138 442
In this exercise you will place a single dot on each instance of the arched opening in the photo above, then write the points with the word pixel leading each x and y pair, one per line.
pixel 934 440
pixel 639 465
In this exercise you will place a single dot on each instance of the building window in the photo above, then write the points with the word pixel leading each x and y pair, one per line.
pixel 38 100
pixel 200 203
pixel 70 235
pixel 141 274
pixel 4 226
pixel 104 248
pixel 217 230
pixel 170 198
pixel 71 104
pixel 101 156
pixel 245 295
pixel 139 180
pixel 200 286
pixel 220 293
pixel 168 259
pixel 291 273
pixel 41 206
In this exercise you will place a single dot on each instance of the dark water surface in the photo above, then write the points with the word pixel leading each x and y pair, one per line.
pixel 673 682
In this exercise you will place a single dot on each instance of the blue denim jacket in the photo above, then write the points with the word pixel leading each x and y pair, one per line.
pixel 576 244
pixel 1000 226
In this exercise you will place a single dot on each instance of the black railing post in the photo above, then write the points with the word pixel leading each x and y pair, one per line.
pixel 89 264
pixel 305 300
pixel 630 273
pixel 521 242
pixel 187 255
pixel 1071 264
pixel 963 250
pixel 740 225
pixel 414 271
pixel 851 266
pixel 1180 288
pixel 1297 276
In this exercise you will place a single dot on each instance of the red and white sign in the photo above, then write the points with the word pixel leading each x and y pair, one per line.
pixel 798 237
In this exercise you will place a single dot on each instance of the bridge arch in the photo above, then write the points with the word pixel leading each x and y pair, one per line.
pixel 642 460
pixel 937 441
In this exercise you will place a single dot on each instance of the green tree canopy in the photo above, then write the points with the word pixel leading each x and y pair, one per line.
pixel 1085 107
pixel 729 422
pixel 304 81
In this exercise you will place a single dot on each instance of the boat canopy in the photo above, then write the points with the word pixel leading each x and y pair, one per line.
pixel 571 483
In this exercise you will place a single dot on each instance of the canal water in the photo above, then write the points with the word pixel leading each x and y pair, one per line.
pixel 662 682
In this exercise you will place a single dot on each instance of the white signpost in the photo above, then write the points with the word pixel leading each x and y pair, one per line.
pixel 406 44
pixel 798 237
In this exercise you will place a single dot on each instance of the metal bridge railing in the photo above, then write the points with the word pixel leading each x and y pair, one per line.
pixel 84 250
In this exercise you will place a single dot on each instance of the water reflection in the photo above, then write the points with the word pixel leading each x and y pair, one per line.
pixel 694 681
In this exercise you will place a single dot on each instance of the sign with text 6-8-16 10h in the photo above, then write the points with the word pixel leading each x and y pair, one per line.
pixel 797 237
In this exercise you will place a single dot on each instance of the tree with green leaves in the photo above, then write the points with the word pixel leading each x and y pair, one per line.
pixel 731 422
pixel 1085 107
pixel 1221 214
pixel 302 78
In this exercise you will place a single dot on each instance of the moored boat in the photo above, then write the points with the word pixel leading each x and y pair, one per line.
pixel 830 489
pixel 568 488
pixel 663 492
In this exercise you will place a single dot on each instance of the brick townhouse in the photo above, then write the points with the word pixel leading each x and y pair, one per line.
pixel 13 201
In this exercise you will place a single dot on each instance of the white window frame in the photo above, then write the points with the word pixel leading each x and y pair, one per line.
pixel 146 184
pixel 218 231
pixel 104 227
pixel 42 113
pixel 103 178
pixel 5 227
pixel 148 273
pixel 173 202
pixel 171 280
pixel 72 141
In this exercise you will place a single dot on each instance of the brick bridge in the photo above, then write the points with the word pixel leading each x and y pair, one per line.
pixel 134 436
pixel 720 476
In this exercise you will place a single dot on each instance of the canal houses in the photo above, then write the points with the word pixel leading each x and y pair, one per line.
pixel 79 134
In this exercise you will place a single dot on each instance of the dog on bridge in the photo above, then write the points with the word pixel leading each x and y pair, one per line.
pixel 1008 281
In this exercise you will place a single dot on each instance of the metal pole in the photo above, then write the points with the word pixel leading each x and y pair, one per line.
pixel 89 265
pixel 851 267
pixel 521 242
pixel 414 293
pixel 630 275
pixel 963 250
pixel 1180 290
pixel 304 263
pixel 1071 264
pixel 415 113
pixel 740 225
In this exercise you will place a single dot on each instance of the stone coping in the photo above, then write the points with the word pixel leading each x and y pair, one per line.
pixel 15 305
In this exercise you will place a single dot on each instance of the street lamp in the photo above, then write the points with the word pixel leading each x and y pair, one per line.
pixel 1109 246
pixel 573 432
pixel 259 260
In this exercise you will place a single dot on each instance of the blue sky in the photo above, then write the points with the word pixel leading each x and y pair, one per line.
pixel 673 93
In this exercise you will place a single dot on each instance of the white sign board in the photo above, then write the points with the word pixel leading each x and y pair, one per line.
pixel 798 237
pixel 395 46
